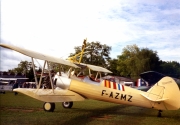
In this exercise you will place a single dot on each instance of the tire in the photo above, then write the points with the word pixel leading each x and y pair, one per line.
pixel 159 113
pixel 67 104
pixel 49 107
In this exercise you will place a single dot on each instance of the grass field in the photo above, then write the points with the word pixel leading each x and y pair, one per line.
pixel 23 110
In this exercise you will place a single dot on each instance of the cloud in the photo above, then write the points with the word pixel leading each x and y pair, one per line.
pixel 56 27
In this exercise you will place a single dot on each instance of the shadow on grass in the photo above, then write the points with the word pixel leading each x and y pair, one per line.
pixel 116 114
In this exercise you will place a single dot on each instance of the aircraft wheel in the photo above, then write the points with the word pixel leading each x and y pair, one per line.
pixel 67 104
pixel 49 107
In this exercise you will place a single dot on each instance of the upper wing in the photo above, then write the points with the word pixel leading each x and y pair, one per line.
pixel 38 55
pixel 95 68
pixel 98 68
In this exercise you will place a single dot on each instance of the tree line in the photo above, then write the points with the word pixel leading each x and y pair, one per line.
pixel 130 63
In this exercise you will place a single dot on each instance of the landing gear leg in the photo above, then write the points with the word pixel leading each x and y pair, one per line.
pixel 159 113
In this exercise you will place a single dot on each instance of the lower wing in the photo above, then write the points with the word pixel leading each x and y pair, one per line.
pixel 50 95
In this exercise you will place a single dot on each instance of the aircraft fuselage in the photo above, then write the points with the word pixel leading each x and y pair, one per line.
pixel 128 96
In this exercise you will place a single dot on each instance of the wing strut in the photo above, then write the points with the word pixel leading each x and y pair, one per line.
pixel 97 75
pixel 49 72
pixel 50 76
pixel 42 74
pixel 34 71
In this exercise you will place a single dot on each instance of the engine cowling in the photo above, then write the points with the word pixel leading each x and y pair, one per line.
pixel 62 82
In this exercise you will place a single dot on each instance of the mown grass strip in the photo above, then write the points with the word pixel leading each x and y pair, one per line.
pixel 23 110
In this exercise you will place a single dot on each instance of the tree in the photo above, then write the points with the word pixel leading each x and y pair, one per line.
pixel 25 67
pixel 30 74
pixel 95 54
pixel 134 61
pixel 113 66
pixel 170 68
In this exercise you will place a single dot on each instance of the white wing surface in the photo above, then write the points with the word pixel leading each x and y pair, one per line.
pixel 95 68
pixel 38 55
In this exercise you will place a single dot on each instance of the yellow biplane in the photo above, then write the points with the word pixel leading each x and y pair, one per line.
pixel 66 88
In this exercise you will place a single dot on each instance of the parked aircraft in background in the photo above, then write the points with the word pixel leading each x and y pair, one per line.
pixel 6 84
pixel 144 83
pixel 66 89
pixel 139 84
pixel 149 78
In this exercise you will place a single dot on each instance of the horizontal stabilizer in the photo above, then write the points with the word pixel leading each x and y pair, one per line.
pixel 154 100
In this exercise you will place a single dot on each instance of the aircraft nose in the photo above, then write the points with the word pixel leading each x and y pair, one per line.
pixel 62 82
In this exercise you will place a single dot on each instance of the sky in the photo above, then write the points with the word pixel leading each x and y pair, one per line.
pixel 55 27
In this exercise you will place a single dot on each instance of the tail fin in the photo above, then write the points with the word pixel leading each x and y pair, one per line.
pixel 167 91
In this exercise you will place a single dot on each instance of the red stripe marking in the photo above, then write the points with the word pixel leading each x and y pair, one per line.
pixel 109 84
pixel 105 83
pixel 114 85
pixel 123 87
